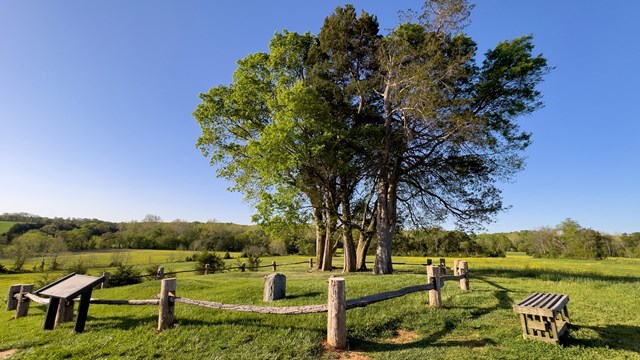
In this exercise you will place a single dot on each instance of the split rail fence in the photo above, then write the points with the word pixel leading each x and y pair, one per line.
pixel 21 295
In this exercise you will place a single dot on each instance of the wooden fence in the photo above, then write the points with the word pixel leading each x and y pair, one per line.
pixel 20 297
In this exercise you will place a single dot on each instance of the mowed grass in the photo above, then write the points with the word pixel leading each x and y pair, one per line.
pixel 6 225
pixel 479 323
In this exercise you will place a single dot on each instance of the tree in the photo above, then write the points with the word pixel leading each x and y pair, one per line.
pixel 349 123
pixel 55 247
pixel 28 245
pixel 449 125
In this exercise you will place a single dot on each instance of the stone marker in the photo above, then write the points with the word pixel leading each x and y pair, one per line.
pixel 275 286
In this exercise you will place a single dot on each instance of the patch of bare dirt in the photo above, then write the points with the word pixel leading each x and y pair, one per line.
pixel 7 353
pixel 403 337
pixel 331 353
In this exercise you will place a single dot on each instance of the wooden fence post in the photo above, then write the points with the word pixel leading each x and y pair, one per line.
pixel 165 312
pixel 273 264
pixel 464 269
pixel 12 302
pixel 337 313
pixel 456 267
pixel 243 266
pixel 433 273
pixel 206 269
pixel 105 283
pixel 22 307
pixel 429 262
pixel 310 263
pixel 443 266
pixel 160 273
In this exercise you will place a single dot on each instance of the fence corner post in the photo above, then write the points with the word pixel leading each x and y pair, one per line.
pixel 22 306
pixel 166 306
pixel 273 264
pixel 464 270
pixel 105 283
pixel 160 273
pixel 12 302
pixel 337 313
pixel 435 298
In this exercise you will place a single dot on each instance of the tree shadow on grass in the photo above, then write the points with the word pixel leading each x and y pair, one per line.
pixel 305 295
pixel 124 322
pixel 432 340
pixel 614 336
pixel 551 275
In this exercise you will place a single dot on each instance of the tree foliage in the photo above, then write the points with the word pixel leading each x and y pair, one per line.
pixel 325 122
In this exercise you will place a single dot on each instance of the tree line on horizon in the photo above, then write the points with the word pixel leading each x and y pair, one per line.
pixel 33 236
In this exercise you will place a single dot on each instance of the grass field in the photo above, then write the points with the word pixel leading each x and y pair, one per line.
pixel 479 323
pixel 5 226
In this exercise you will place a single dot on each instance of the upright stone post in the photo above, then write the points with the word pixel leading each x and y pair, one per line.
pixel 243 266
pixel 337 314
pixel 65 311
pixel 12 302
pixel 206 269
pixel 275 287
pixel 166 308
pixel 105 283
pixel 273 265
pixel 160 273
pixel 22 307
pixel 435 298
pixel 464 269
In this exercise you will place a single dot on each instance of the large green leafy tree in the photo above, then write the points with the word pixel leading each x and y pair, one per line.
pixel 411 118
pixel 449 125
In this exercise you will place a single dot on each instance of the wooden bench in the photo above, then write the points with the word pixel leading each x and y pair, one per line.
pixel 544 316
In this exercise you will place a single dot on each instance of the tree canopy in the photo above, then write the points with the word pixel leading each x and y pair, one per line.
pixel 352 127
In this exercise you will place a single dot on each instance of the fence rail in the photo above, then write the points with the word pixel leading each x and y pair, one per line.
pixel 21 295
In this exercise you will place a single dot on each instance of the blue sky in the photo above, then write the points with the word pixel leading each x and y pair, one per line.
pixel 96 100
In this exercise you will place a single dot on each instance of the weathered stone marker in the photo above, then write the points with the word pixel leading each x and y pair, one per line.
pixel 12 302
pixel 22 306
pixel 275 287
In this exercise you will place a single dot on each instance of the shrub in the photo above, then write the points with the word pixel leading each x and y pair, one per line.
pixel 253 262
pixel 78 267
pixel 216 264
pixel 3 270
pixel 125 275
pixel 258 250
pixel 227 256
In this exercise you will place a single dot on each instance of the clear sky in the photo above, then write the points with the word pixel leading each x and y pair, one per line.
pixel 96 100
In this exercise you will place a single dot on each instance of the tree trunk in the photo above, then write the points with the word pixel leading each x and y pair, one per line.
pixel 364 241
pixel 347 236
pixel 321 234
pixel 327 261
pixel 385 220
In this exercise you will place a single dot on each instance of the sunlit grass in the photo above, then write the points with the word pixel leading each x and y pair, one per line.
pixel 476 324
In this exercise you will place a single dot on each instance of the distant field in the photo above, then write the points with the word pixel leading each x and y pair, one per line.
pixel 478 324
pixel 5 226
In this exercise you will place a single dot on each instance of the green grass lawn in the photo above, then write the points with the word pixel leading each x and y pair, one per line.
pixel 5 226
pixel 479 323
